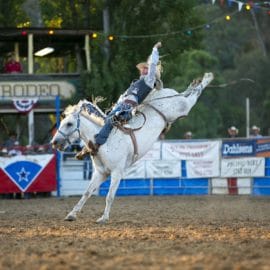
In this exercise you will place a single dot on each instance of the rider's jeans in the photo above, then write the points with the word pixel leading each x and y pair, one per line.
pixel 122 111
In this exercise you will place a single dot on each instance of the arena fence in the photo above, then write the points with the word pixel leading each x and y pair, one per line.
pixel 171 167
pixel 183 167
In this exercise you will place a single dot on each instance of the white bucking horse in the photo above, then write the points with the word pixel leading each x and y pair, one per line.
pixel 124 145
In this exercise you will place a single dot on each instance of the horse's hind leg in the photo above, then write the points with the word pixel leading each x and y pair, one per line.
pixel 191 95
pixel 115 181
pixel 96 181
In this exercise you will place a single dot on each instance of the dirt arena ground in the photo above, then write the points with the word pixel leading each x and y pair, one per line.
pixel 179 232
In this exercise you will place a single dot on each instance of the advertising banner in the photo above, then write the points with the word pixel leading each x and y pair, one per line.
pixel 196 150
pixel 242 167
pixel 238 148
pixel 163 169
pixel 263 147
pixel 30 173
pixel 202 168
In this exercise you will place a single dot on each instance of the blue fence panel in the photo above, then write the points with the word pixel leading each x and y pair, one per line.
pixel 128 187
pixel 178 186
pixel 261 186
pixel 267 166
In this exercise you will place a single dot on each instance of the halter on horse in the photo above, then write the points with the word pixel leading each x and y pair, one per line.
pixel 117 154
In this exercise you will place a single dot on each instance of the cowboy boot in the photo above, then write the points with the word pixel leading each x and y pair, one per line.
pixel 82 154
pixel 93 148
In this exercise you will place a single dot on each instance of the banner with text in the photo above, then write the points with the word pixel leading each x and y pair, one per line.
pixel 242 167
pixel 202 168
pixel 238 148
pixel 197 150
pixel 263 147
pixel 163 169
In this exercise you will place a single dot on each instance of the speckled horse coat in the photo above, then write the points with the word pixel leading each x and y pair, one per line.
pixel 117 154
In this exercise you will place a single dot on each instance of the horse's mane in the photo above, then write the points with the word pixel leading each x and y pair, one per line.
pixel 91 111
pixel 96 115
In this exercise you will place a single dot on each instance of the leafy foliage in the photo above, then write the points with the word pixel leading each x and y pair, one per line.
pixel 236 51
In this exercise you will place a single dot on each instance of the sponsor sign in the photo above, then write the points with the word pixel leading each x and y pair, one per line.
pixel 202 168
pixel 242 167
pixel 238 148
pixel 190 150
pixel 33 173
pixel 163 169
pixel 263 147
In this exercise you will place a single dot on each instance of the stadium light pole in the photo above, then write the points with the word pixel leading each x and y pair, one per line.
pixel 30 42
pixel 247 117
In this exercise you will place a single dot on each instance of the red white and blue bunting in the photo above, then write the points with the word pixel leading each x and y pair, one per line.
pixel 24 105
pixel 249 4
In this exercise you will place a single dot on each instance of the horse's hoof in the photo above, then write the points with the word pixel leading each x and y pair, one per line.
pixel 101 220
pixel 210 76
pixel 70 218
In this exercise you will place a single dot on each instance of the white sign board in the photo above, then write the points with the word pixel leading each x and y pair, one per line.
pixel 202 168
pixel 163 169
pixel 190 150
pixel 242 167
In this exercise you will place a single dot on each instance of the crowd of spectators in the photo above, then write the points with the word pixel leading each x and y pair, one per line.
pixel 12 65
pixel 17 149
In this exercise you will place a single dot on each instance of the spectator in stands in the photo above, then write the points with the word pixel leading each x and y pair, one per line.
pixel 188 135
pixel 4 152
pixel 12 66
pixel 41 150
pixel 255 132
pixel 15 149
pixel 29 150
pixel 10 142
pixel 232 132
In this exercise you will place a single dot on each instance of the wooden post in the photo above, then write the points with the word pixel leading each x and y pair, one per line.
pixel 30 54
pixel 87 52
pixel 31 127
pixel 30 71
pixel 247 116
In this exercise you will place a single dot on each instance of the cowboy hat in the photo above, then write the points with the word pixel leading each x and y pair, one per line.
pixel 255 128
pixel 142 65
pixel 233 128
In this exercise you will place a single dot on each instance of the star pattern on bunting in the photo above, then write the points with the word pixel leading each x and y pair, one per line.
pixel 23 175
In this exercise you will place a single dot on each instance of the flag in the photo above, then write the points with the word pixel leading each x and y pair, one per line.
pixel 29 173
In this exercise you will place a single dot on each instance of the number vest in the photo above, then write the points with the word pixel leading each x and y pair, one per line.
pixel 139 89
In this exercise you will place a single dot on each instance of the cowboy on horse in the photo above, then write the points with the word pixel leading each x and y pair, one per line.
pixel 150 73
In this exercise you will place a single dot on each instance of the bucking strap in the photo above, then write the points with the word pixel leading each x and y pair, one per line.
pixel 130 132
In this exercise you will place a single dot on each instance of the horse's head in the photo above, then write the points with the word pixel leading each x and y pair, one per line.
pixel 69 129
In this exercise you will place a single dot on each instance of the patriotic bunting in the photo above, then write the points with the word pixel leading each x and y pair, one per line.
pixel 24 105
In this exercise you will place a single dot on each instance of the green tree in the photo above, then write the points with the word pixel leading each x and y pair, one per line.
pixel 11 13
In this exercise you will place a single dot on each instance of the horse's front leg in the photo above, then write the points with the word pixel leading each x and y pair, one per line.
pixel 96 181
pixel 115 181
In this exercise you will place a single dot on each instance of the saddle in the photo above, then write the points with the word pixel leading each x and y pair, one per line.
pixel 122 124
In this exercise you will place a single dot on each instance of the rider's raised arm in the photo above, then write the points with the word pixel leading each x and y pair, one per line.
pixel 150 78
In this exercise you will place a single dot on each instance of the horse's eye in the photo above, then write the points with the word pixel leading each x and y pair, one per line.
pixel 69 124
